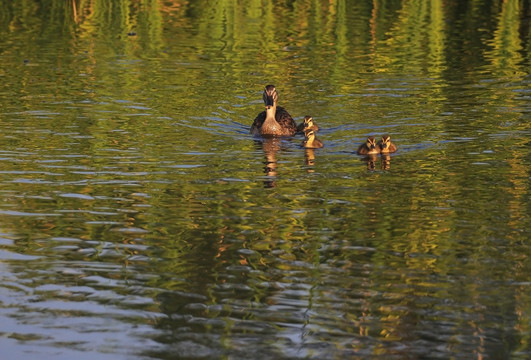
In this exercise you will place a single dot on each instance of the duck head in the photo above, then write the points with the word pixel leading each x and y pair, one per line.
pixel 309 135
pixel 308 121
pixel 270 95
pixel 385 142
pixel 370 143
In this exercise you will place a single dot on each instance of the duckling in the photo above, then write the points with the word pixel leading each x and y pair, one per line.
pixel 385 146
pixel 369 147
pixel 310 141
pixel 275 120
pixel 307 124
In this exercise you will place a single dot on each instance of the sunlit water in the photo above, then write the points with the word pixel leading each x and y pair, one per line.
pixel 139 218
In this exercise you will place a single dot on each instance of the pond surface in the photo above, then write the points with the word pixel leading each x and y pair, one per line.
pixel 139 219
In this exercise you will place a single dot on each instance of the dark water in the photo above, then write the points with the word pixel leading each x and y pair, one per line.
pixel 139 219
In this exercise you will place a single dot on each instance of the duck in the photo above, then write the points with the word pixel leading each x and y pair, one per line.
pixel 385 146
pixel 307 124
pixel 275 120
pixel 310 141
pixel 368 147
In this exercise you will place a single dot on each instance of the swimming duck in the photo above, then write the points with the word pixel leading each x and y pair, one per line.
pixel 310 141
pixel 307 124
pixel 369 147
pixel 275 120
pixel 385 146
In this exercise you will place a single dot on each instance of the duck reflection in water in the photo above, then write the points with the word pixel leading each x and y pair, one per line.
pixel 372 158
pixel 371 161
pixel 386 161
pixel 270 146
pixel 309 156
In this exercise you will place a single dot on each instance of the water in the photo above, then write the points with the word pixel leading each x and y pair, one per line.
pixel 139 219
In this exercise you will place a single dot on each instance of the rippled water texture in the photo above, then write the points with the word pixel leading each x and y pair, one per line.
pixel 139 219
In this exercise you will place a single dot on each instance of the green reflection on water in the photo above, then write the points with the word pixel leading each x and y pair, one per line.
pixel 127 166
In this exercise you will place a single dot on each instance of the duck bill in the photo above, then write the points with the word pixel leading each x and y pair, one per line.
pixel 268 99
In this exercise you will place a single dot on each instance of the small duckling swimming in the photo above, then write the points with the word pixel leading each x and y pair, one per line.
pixel 310 141
pixel 385 146
pixel 307 124
pixel 369 147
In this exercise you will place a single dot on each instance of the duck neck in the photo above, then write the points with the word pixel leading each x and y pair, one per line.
pixel 270 125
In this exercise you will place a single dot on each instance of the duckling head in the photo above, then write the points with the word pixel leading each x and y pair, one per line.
pixel 371 143
pixel 386 141
pixel 309 135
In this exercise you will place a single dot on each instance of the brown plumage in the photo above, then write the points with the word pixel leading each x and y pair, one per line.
pixel 369 147
pixel 310 141
pixel 307 124
pixel 275 120
pixel 385 146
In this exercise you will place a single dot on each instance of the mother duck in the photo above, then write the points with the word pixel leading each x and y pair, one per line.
pixel 275 120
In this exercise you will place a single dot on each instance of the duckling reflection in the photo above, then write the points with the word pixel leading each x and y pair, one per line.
pixel 385 146
pixel 270 146
pixel 386 161
pixel 371 161
pixel 309 156
pixel 368 147
pixel 307 124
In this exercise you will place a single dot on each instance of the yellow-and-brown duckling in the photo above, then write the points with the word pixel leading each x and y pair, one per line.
pixel 275 120
pixel 368 147
pixel 385 146
pixel 310 141
pixel 307 124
